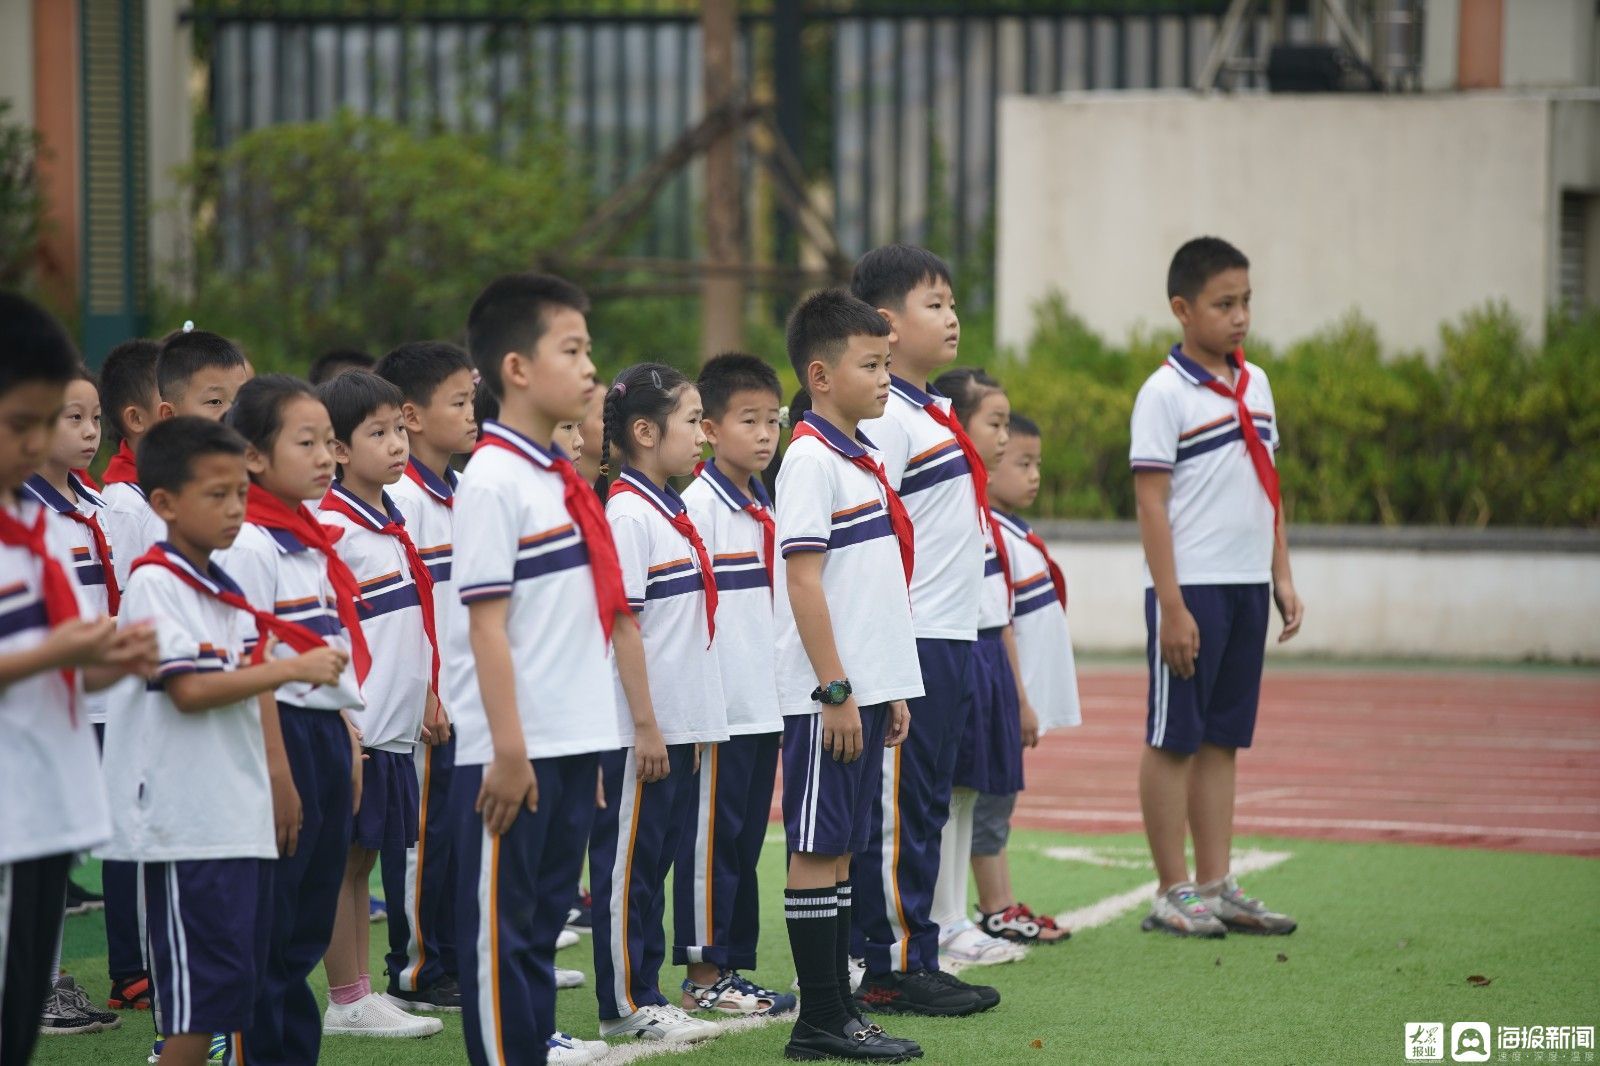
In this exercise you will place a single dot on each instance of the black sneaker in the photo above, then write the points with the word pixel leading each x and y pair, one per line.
pixel 913 1048
pixel 989 997
pixel 444 997
pixel 920 992
pixel 580 916
pixel 81 900
pixel 807 1043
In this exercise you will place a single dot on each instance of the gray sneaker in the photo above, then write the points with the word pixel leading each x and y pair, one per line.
pixel 68 1012
pixel 1180 911
pixel 1242 914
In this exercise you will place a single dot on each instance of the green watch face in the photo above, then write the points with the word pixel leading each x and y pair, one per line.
pixel 836 691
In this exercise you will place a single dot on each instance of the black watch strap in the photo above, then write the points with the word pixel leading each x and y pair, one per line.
pixel 833 693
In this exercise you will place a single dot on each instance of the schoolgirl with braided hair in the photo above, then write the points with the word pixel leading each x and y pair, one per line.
pixel 651 433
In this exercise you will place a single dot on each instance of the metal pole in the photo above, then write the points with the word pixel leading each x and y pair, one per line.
pixel 721 293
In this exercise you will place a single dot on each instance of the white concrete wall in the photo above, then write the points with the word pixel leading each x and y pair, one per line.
pixel 1410 209
pixel 170 107
pixel 1548 43
pixel 1376 603
pixel 16 58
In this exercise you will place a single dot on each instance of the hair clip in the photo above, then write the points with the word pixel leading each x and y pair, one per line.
pixel 655 379
pixel 188 325
pixel 620 388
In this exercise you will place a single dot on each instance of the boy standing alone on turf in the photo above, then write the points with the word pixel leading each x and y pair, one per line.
pixel 1204 436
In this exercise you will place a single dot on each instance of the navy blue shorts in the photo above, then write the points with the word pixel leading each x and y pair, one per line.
pixel 827 804
pixel 1218 704
pixel 990 758
pixel 390 801
pixel 207 923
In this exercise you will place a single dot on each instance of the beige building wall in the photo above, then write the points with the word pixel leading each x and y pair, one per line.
pixel 16 58
pixel 1409 209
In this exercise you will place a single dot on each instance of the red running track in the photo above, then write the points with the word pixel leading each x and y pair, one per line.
pixel 1472 758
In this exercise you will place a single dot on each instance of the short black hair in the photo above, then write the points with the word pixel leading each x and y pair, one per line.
pixel 128 378
pixel 884 276
pixel 823 323
pixel 730 373
pixel 420 367
pixel 1023 426
pixel 509 316
pixel 1198 261
pixel 352 397
pixel 183 355
pixel 485 405
pixel 966 386
pixel 330 365
pixel 168 452
pixel 257 412
pixel 33 346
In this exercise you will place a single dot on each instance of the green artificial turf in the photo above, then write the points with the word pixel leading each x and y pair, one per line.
pixel 1390 933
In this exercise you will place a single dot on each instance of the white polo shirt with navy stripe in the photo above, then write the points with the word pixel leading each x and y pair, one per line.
pixel 86 565
pixel 280 574
pixel 666 590
pixel 130 524
pixel 520 544
pixel 827 504
pixel 396 689
pixel 1222 521
pixel 425 500
pixel 1044 643
pixel 994 605
pixel 186 786
pixel 50 785
pixel 927 467
pixel 746 644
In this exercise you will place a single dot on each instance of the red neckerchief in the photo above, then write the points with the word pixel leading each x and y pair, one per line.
pixel 685 526
pixel 1260 458
pixel 899 520
pixel 293 634
pixel 586 512
pixel 1036 542
pixel 419 569
pixel 414 472
pixel 266 510
pixel 83 475
pixel 1001 555
pixel 763 517
pixel 97 535
pixel 122 469
pixel 60 601
pixel 980 473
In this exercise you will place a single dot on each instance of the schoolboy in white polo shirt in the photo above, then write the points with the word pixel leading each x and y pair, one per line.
pixel 437 382
pixel 1204 436
pixel 186 764
pixel 716 898
pixel 396 613
pixel 930 463
pixel 50 785
pixel 533 703
pixel 846 656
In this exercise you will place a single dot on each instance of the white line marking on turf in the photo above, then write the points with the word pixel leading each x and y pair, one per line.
pixel 1371 825
pixel 1111 908
pixel 1090 917
pixel 1096 857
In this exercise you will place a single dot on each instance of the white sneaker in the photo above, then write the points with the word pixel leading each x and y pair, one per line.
pixel 566 939
pixel 569 978
pixel 565 1050
pixel 372 1015
pixel 973 947
pixel 660 1022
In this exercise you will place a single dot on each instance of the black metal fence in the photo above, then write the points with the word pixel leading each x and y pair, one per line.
pixel 892 109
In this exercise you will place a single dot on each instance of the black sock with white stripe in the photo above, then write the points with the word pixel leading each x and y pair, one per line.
pixel 841 958
pixel 812 915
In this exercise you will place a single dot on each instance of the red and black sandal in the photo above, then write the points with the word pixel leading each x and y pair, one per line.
pixel 130 993
pixel 1018 923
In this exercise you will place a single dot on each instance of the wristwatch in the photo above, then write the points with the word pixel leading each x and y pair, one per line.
pixel 833 693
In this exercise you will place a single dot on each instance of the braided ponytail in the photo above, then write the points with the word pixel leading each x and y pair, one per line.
pixel 609 422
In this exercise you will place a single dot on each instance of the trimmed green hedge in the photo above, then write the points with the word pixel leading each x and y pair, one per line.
pixel 1494 431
